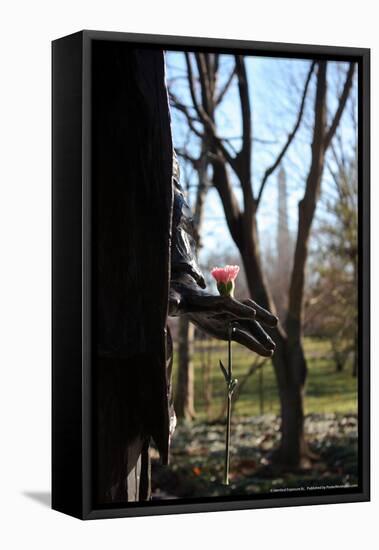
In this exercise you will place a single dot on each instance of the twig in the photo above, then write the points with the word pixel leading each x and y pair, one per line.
pixel 290 138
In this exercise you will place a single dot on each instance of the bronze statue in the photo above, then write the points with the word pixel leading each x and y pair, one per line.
pixel 146 269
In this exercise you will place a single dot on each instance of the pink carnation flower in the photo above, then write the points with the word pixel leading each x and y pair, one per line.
pixel 225 277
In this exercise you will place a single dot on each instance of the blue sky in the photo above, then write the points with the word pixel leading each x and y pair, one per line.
pixel 275 87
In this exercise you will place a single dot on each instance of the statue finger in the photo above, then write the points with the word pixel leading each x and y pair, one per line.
pixel 262 314
pixel 238 309
pixel 220 305
pixel 249 341
pixel 259 334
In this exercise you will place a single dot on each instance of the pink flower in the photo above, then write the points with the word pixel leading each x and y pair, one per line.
pixel 225 277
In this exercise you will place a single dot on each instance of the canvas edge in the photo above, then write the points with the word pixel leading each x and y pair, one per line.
pixel 361 55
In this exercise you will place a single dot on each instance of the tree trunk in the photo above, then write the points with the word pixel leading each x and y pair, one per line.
pixel 292 452
pixel 288 361
pixel 184 395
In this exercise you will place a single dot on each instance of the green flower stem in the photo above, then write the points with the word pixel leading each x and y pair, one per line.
pixel 231 384
pixel 226 289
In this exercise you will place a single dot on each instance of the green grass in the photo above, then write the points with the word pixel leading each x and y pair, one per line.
pixel 327 391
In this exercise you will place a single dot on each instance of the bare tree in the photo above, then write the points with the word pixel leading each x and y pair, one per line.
pixel 332 298
pixel 289 360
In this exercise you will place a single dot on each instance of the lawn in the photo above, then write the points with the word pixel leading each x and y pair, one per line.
pixel 198 448
pixel 327 391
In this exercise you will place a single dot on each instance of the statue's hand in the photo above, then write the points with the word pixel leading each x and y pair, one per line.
pixel 212 314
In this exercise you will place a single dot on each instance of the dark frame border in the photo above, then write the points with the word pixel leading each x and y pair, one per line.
pixel 362 57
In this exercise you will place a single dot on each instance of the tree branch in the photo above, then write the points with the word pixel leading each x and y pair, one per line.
pixel 229 201
pixel 341 106
pixel 290 138
pixel 226 86
pixel 208 123
pixel 192 85
pixel 243 159
pixel 184 155
pixel 204 76
pixel 245 102
pixel 185 110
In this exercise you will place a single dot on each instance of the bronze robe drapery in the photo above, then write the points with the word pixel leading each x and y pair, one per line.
pixel 139 204
pixel 131 232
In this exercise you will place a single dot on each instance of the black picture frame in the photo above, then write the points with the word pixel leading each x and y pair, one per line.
pixel 71 273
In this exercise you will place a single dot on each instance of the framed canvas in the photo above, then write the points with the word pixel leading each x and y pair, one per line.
pixel 210 274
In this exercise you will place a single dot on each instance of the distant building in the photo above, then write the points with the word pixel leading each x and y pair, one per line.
pixel 280 275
